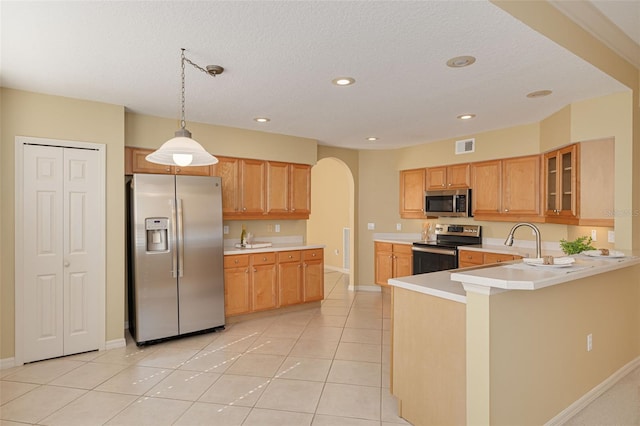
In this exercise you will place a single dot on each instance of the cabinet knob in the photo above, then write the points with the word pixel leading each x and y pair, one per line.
pixel 246 271
pixel 290 257
pixel 293 210
pixel 236 261
pixel 313 255
pixel 264 258
pixel 506 210
pixel 168 169
pixel 244 209
pixel 255 270
pixel 178 170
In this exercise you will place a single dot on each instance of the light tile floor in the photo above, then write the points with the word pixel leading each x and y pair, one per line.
pixel 321 366
pixel 326 366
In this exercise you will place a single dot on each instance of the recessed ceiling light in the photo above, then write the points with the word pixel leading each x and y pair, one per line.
pixel 460 61
pixel 539 94
pixel 343 81
pixel 466 116
pixel 372 138
pixel 262 119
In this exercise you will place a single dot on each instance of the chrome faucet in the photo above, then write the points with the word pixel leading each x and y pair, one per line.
pixel 509 241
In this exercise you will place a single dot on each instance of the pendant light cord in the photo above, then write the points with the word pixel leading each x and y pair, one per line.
pixel 212 70
pixel 183 123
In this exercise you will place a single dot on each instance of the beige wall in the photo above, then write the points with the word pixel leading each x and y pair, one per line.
pixel 526 350
pixel 30 114
pixel 331 211
pixel 146 131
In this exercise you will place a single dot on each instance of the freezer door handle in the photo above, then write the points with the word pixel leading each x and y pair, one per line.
pixel 180 240
pixel 174 239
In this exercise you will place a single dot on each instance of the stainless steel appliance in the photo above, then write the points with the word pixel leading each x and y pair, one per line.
pixel 448 202
pixel 176 277
pixel 442 254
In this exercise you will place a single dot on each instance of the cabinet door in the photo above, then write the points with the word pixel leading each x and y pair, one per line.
pixel 300 192
pixel 290 277
pixel 313 269
pixel 521 185
pixel 229 170
pixel 277 188
pixel 403 264
pixel 458 176
pixel 236 291
pixel 487 183
pixel 561 183
pixel 253 186
pixel 264 287
pixel 139 164
pixel 437 177
pixel 412 186
pixel 384 263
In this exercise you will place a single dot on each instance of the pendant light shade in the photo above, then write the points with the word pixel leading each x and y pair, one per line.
pixel 182 150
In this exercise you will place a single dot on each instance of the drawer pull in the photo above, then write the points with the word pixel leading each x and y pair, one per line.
pixel 264 258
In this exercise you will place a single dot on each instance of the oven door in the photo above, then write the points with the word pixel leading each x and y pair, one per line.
pixel 433 259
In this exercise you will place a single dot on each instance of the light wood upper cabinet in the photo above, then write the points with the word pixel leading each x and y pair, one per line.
pixel 412 187
pixel 288 190
pixel 229 171
pixel 561 173
pixel 448 177
pixel 253 186
pixel 487 183
pixel 507 190
pixel 135 162
pixel 579 184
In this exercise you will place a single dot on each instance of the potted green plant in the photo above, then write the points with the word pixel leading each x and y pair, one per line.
pixel 576 246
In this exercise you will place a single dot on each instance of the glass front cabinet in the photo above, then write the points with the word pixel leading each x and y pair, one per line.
pixel 561 193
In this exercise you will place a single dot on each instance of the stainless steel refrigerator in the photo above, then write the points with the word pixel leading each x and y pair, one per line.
pixel 176 277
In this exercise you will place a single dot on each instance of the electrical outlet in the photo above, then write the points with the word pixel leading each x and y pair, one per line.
pixel 611 237
pixel 594 235
pixel 589 342
pixel 225 229
pixel 398 227
pixel 269 228
pixel 371 226
pixel 277 227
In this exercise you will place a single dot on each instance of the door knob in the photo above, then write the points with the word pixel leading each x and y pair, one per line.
pixel 67 264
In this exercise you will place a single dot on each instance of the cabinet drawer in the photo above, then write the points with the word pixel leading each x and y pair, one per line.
pixel 383 246
pixel 263 258
pixel 470 257
pixel 289 256
pixel 402 249
pixel 312 254
pixel 497 258
pixel 236 261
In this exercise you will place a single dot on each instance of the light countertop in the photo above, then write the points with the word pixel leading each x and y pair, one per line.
pixel 274 247
pixel 519 276
pixel 513 275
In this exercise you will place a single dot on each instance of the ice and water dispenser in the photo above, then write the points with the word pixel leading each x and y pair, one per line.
pixel 157 234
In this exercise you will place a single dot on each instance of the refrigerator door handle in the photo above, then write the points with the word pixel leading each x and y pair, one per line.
pixel 180 240
pixel 174 239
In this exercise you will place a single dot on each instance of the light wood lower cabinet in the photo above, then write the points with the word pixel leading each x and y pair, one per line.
pixel 290 277
pixel 263 281
pixel 475 258
pixel 391 261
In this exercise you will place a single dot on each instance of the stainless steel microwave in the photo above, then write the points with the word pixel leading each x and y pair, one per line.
pixel 448 202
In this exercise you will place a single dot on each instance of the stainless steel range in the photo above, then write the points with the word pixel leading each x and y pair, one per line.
pixel 442 254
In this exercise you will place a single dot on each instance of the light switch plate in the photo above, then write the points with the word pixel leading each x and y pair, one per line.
pixel 611 236
pixel 371 226
pixel 225 229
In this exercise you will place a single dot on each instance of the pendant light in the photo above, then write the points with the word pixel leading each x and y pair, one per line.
pixel 182 150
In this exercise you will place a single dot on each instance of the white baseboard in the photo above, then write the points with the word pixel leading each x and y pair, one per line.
pixel 7 363
pixel 336 268
pixel 373 288
pixel 593 394
pixel 116 343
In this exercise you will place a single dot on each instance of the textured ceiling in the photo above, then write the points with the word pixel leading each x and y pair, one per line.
pixel 280 58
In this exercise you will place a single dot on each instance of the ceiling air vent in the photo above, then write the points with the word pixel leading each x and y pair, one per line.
pixel 465 146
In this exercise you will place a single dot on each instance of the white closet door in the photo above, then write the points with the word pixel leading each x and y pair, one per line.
pixel 43 252
pixel 81 248
pixel 61 262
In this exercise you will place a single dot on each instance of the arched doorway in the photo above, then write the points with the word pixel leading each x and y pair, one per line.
pixel 332 219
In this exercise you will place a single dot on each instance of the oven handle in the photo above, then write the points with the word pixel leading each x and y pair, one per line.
pixel 435 250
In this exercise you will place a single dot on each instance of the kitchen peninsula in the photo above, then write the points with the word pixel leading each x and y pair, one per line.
pixel 508 344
